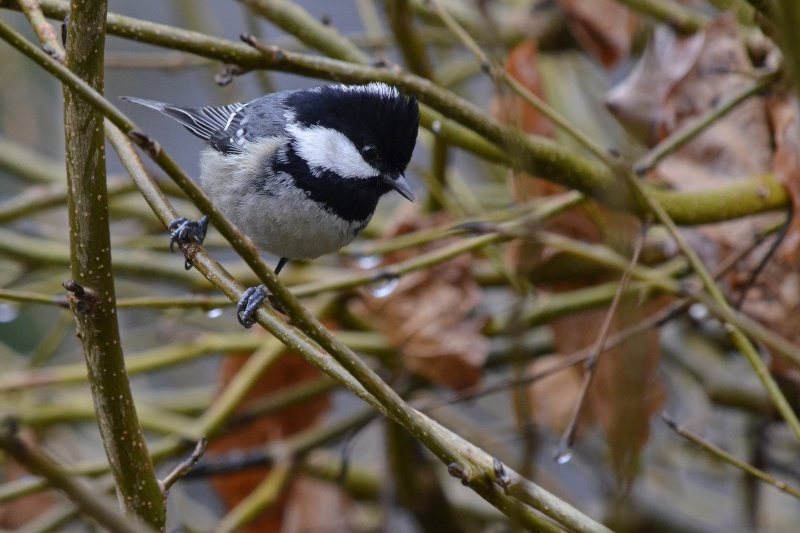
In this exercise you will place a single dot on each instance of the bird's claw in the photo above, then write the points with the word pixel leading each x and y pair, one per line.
pixel 250 301
pixel 183 231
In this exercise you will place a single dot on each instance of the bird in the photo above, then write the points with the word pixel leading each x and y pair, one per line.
pixel 299 171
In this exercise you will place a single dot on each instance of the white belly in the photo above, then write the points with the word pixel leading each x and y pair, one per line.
pixel 284 223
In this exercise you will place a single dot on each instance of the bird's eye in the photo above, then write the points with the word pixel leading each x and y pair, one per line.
pixel 369 153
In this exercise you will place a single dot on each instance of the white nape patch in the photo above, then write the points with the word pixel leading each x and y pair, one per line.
pixel 375 87
pixel 328 149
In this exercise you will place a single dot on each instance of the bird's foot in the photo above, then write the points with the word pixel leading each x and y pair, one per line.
pixel 183 231
pixel 250 301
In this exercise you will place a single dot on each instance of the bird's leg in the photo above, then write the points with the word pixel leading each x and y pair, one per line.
pixel 252 299
pixel 183 231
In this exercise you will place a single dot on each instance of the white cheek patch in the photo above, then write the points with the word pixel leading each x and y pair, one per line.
pixel 324 148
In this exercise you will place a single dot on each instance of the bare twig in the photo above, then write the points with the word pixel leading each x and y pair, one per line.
pixel 729 458
pixel 98 506
pixel 567 440
pixel 184 467
pixel 489 139
pixel 44 31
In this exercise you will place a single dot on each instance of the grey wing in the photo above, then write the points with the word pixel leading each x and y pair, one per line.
pixel 260 119
pixel 254 121
pixel 208 123
pixel 230 127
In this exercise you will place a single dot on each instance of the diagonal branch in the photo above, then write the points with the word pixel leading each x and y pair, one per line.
pixel 457 121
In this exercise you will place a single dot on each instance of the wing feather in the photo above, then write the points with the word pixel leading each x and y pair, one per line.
pixel 209 123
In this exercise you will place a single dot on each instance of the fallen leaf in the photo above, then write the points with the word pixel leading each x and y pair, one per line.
pixel 639 101
pixel 785 123
pixel 430 315
pixel 314 505
pixel 627 391
pixel 233 488
pixel 552 398
pixel 15 514
pixel 604 28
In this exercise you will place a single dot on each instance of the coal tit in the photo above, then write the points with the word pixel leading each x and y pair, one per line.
pixel 300 172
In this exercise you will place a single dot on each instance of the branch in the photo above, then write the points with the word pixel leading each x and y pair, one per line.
pixel 97 506
pixel 344 366
pixel 448 115
pixel 91 292
pixel 672 13
pixel 729 458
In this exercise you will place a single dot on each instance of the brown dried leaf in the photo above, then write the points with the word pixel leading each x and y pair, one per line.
pixel 679 78
pixel 429 315
pixel 773 300
pixel 604 28
pixel 15 514
pixel 785 121
pixel 736 147
pixel 639 101
pixel 232 488
pixel 627 391
pixel 522 65
pixel 697 72
pixel 552 399
pixel 314 505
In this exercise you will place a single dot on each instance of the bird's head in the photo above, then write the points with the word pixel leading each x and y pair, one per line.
pixel 359 132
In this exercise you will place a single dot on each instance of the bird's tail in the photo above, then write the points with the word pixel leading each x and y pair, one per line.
pixel 204 122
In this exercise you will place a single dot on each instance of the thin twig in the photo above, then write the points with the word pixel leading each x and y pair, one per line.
pixel 729 458
pixel 499 73
pixel 676 15
pixel 95 505
pixel 44 31
pixel 184 467
pixel 568 438
pixel 488 138
pixel 762 263
pixel 697 125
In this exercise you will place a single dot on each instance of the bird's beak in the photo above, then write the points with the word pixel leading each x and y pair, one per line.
pixel 400 184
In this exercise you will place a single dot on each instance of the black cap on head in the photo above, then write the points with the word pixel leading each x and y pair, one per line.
pixel 374 114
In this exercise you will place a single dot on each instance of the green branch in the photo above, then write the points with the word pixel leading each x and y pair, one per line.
pixel 97 506
pixel 672 13
pixel 344 366
pixel 457 121
pixel 91 292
